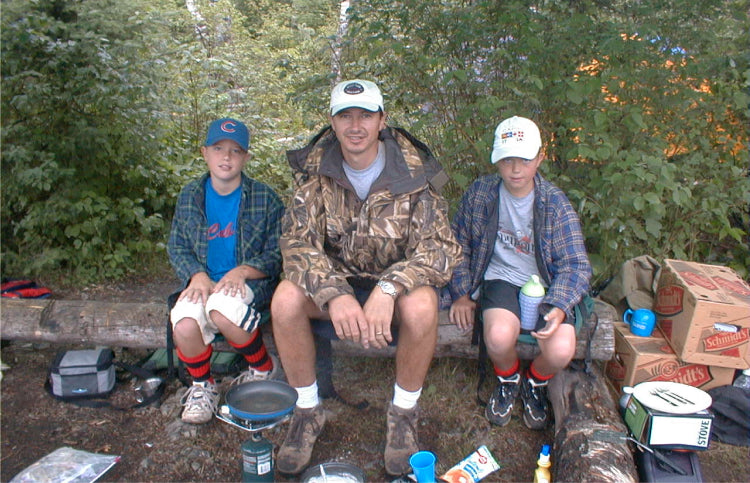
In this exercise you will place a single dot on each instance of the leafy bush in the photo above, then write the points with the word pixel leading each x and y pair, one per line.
pixel 644 107
pixel 84 146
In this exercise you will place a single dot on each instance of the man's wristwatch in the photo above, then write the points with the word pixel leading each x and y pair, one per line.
pixel 388 288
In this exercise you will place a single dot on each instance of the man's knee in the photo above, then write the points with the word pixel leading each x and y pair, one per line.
pixel 421 303
pixel 289 302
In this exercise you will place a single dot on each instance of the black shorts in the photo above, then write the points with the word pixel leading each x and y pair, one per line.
pixel 499 294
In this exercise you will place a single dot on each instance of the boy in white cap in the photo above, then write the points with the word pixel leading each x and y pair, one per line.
pixel 224 246
pixel 512 225
pixel 366 241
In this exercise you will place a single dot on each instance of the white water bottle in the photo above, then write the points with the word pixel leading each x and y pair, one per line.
pixel 530 297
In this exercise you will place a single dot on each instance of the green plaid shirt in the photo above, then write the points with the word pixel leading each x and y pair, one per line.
pixel 258 231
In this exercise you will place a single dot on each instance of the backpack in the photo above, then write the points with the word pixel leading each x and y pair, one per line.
pixel 85 377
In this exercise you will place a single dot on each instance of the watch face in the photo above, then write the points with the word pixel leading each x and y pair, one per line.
pixel 388 288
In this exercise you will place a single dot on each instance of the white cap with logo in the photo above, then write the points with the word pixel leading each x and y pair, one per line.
pixel 516 137
pixel 356 93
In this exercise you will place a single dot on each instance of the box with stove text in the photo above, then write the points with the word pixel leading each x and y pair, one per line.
pixel 666 430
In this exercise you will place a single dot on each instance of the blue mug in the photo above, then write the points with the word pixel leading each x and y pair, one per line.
pixel 641 321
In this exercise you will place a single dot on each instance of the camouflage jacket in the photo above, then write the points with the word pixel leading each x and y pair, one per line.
pixel 400 232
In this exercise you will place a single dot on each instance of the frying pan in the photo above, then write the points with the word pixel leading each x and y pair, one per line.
pixel 261 400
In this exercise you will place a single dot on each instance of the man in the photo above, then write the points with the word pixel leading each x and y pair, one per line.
pixel 366 240
pixel 512 225
pixel 224 246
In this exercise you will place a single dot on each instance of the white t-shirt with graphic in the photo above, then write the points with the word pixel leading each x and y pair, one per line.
pixel 513 255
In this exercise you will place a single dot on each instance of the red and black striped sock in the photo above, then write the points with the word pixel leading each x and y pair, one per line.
pixel 254 352
pixel 199 367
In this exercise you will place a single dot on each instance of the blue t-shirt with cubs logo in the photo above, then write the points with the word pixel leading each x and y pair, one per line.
pixel 222 211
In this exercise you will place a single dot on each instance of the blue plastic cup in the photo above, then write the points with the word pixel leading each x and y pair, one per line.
pixel 423 464
pixel 641 321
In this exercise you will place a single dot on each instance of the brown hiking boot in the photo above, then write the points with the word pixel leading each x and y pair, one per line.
pixel 294 455
pixel 401 440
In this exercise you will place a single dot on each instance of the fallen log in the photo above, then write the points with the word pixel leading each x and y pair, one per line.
pixel 143 325
pixel 588 429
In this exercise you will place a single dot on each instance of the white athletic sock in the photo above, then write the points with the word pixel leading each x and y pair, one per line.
pixel 307 397
pixel 405 399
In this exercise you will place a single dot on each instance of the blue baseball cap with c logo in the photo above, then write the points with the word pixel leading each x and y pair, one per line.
pixel 228 128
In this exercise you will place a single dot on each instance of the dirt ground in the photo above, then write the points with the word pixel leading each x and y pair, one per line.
pixel 155 446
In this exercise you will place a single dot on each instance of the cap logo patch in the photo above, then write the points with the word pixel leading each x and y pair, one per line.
pixel 228 126
pixel 512 134
pixel 354 88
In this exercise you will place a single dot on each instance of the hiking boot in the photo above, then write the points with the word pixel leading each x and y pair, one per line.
pixel 535 403
pixel 401 439
pixel 294 454
pixel 200 401
pixel 500 405
pixel 251 374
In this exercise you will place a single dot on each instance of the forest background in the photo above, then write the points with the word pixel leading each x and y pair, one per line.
pixel 105 104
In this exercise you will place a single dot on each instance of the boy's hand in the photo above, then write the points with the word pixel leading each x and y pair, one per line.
pixel 198 289
pixel 554 318
pixel 462 313
pixel 232 283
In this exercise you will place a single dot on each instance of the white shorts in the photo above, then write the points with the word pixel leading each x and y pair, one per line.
pixel 237 309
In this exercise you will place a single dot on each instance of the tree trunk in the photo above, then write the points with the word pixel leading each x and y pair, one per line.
pixel 336 54
pixel 588 430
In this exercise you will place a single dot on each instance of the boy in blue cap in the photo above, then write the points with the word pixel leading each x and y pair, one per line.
pixel 512 225
pixel 224 246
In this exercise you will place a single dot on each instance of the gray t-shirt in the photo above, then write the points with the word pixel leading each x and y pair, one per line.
pixel 362 179
pixel 513 256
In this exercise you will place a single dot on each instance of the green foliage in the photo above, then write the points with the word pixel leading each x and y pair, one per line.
pixel 644 107
pixel 105 103
pixel 84 177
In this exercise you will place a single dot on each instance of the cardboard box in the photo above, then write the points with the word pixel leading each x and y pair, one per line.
pixel 666 430
pixel 704 313
pixel 640 359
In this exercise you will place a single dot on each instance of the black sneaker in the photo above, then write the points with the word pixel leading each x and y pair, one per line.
pixel 535 403
pixel 501 402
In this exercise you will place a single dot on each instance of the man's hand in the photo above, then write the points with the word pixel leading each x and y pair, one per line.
pixel 554 318
pixel 379 314
pixel 198 289
pixel 348 319
pixel 462 313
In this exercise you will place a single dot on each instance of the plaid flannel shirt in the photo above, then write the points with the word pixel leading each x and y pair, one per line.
pixel 558 239
pixel 258 232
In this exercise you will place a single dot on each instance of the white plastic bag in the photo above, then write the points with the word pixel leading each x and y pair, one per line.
pixel 67 465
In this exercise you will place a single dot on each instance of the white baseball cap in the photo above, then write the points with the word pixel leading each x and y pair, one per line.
pixel 516 137
pixel 356 93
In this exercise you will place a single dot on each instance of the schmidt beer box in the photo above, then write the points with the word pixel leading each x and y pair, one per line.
pixel 704 313
pixel 667 430
pixel 641 359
